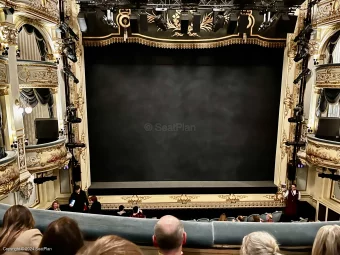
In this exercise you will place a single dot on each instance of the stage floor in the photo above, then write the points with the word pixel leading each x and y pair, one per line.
pixel 182 187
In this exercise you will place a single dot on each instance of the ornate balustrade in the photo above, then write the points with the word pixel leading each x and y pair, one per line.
pixel 9 173
pixel 44 9
pixel 37 74
pixel 328 76
pixel 322 152
pixel 46 157
pixel 328 12
pixel 4 76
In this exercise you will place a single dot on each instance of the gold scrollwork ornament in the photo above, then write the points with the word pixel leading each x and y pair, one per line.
pixel 9 34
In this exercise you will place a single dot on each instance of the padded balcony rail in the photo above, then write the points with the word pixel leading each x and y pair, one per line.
pixel 200 234
pixel 9 173
pixel 328 76
pixel 46 157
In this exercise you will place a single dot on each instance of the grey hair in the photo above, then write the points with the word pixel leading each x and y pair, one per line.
pixel 327 241
pixel 259 243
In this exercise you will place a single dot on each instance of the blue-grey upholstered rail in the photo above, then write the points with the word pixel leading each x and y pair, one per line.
pixel 200 234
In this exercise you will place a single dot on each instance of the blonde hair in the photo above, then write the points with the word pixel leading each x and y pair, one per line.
pixel 223 217
pixel 259 243
pixel 111 245
pixel 327 241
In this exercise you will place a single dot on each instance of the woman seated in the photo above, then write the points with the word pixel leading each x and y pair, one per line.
pixel 62 236
pixel 137 213
pixel 55 206
pixel 240 218
pixel 259 243
pixel 111 245
pixel 223 217
pixel 18 231
pixel 327 241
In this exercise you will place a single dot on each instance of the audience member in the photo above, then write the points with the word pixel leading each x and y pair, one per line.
pixel 169 236
pixel 137 213
pixel 96 207
pixel 259 243
pixel 327 241
pixel 223 217
pixel 257 218
pixel 111 245
pixel 121 211
pixel 63 236
pixel 292 197
pixel 18 231
pixel 78 200
pixel 55 206
pixel 269 217
pixel 240 218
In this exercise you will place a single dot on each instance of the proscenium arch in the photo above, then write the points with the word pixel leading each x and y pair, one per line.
pixel 41 28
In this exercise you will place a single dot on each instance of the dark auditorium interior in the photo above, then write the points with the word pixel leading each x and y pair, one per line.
pixel 138 126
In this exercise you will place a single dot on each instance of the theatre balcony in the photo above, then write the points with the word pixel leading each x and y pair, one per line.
pixel 9 173
pixel 37 74
pixel 323 153
pixel 328 76
pixel 328 12
pixel 46 157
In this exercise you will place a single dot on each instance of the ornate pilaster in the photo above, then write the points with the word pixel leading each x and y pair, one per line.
pixel 9 34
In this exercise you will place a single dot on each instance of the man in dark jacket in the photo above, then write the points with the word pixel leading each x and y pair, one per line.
pixel 78 200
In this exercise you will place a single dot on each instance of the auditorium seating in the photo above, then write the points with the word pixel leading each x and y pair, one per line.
pixel 200 234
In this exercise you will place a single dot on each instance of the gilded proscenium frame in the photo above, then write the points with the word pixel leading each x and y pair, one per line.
pixel 27 7
pixel 202 201
pixel 4 76
pixel 328 76
pixel 37 75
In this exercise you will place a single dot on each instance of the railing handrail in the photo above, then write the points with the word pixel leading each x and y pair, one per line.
pixel 327 65
pixel 10 156
pixel 44 145
pixel 312 137
pixel 24 61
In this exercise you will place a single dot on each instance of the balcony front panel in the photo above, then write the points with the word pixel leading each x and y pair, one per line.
pixel 328 12
pixel 328 76
pixel 46 157
pixel 9 173
pixel 323 153
pixel 47 10
pixel 4 76
pixel 37 74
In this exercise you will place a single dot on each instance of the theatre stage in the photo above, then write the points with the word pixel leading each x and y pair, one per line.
pixel 182 187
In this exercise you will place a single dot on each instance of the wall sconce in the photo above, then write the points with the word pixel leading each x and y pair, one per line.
pixel 5 51
pixel 316 62
pixel 21 109
pixel 14 145
pixel 26 142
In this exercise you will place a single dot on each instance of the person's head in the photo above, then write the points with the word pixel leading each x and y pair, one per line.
pixel 259 243
pixel 240 218
pixel 256 218
pixel 55 205
pixel 93 199
pixel 16 220
pixel 77 189
pixel 327 241
pixel 135 209
pixel 223 217
pixel 169 234
pixel 293 186
pixel 111 245
pixel 121 208
pixel 63 236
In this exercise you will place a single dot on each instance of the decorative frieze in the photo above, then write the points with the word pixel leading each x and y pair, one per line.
pixel 9 173
pixel 328 12
pixel 328 76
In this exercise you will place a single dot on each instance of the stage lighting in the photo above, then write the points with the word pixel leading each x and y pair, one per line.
pixel 68 72
pixel 65 29
pixel 268 21
pixel 304 33
pixel 304 73
pixel 333 177
pixel 75 145
pixel 161 23
pixel 297 144
pixel 72 115
pixel 109 20
pixel 69 49
pixel 302 51
pixel 296 119
pixel 219 22
pixel 82 22
pixel 44 179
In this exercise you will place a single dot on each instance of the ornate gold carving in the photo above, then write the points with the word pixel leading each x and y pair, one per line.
pixel 173 44
pixel 21 154
pixel 287 101
pixel 8 33
pixel 313 47
pixel 9 176
pixel 4 77
pixel 283 147
pixel 46 158
pixel 135 199
pixel 26 190
pixel 328 76
pixel 37 76
pixel 328 12
pixel 278 197
pixel 232 198
pixel 184 199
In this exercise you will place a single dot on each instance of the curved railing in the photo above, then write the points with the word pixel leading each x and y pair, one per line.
pixel 46 157
pixel 323 153
pixel 200 234
pixel 37 74
pixel 9 173
pixel 328 76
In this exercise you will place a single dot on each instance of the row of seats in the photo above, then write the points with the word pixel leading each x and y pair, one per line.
pixel 276 217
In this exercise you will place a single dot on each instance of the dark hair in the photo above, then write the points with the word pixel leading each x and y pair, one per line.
pixel 294 185
pixel 55 201
pixel 135 209
pixel 256 218
pixel 121 207
pixel 16 220
pixel 76 187
pixel 113 245
pixel 93 198
pixel 63 236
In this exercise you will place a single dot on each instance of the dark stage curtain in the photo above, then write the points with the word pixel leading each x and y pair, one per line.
pixel 328 96
pixel 32 97
pixel 331 45
pixel 39 39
